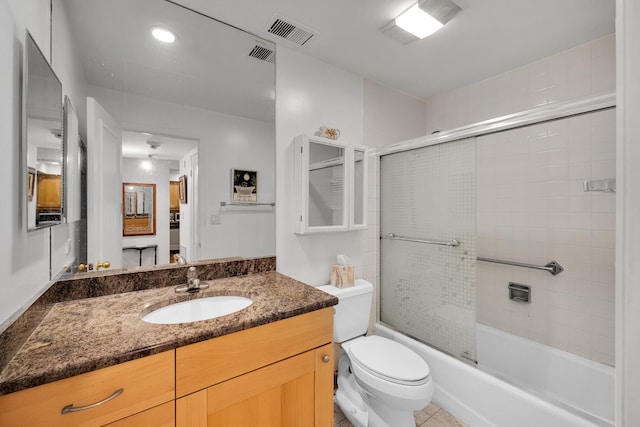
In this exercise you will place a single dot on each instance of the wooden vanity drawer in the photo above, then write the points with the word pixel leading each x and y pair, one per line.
pixel 146 382
pixel 207 363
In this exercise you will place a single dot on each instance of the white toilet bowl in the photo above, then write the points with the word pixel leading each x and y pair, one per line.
pixel 380 382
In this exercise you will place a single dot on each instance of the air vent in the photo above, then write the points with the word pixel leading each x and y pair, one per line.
pixel 262 53
pixel 289 30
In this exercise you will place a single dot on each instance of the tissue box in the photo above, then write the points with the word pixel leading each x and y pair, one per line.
pixel 342 276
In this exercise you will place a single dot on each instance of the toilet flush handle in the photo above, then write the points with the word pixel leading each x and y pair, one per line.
pixel 326 358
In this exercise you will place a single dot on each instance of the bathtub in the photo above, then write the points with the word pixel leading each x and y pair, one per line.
pixel 480 399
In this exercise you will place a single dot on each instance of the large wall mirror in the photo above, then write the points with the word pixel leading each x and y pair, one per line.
pixel 198 106
pixel 42 140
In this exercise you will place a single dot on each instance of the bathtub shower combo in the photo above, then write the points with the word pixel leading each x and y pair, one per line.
pixel 496 266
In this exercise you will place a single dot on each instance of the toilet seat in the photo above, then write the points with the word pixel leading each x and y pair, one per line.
pixel 388 360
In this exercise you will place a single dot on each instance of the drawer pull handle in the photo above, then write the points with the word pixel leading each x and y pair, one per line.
pixel 69 408
pixel 326 358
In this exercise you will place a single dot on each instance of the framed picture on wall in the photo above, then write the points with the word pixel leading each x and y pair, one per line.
pixel 244 186
pixel 182 188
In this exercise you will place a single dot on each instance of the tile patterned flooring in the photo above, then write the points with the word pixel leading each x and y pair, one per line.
pixel 431 416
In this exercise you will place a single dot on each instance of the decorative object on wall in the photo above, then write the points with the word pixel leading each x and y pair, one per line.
pixel 244 186
pixel 138 209
pixel 326 132
pixel 182 188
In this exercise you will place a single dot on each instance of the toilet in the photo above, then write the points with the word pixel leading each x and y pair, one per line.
pixel 380 382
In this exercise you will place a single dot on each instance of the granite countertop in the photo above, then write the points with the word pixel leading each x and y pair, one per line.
pixel 83 335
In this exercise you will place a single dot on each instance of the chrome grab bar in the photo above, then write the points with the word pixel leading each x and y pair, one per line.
pixel 452 243
pixel 552 267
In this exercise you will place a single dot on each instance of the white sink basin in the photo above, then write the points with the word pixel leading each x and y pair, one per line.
pixel 197 309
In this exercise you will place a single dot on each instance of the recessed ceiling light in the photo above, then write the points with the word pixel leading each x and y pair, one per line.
pixel 418 22
pixel 163 35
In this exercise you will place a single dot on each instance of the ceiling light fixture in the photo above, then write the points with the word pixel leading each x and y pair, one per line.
pixel 147 165
pixel 163 35
pixel 421 20
pixel 418 22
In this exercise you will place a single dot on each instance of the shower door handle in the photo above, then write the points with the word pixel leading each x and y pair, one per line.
pixel 452 243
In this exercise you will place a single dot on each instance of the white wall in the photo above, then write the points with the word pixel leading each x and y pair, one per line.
pixel 585 70
pixel 159 175
pixel 24 257
pixel 65 238
pixel 225 142
pixel 310 94
pixel 628 212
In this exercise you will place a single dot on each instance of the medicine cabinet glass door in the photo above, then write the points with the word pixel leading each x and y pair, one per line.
pixel 359 173
pixel 330 185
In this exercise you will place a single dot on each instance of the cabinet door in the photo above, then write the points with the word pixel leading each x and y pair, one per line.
pixel 124 389
pixel 359 171
pixel 296 392
pixel 174 195
pixel 321 185
pixel 49 191
pixel 160 416
pixel 330 185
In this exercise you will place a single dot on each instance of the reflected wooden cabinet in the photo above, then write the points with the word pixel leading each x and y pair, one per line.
pixel 174 195
pixel 49 192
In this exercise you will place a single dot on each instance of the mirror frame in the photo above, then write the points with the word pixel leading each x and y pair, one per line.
pixel 148 229
pixel 29 175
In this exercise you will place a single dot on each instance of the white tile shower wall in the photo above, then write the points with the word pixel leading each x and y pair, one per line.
pixel 576 73
pixel 532 208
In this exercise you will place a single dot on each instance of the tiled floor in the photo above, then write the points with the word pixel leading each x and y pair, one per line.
pixel 431 416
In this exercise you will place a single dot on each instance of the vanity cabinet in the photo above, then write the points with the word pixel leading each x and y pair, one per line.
pixel 279 374
pixel 161 416
pixel 330 185
pixel 146 383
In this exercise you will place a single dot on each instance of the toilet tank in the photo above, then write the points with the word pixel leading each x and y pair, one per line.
pixel 351 317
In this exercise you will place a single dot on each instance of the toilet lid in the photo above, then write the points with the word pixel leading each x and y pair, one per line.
pixel 389 359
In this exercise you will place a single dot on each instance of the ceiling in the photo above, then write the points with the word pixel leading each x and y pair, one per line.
pixel 208 67
pixel 140 145
pixel 487 38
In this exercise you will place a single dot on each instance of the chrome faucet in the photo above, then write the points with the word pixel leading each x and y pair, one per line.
pixel 193 283
pixel 179 259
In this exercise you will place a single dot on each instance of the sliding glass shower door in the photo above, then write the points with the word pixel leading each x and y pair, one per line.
pixel 427 250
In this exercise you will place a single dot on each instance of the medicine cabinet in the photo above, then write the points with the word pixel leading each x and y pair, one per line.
pixel 42 149
pixel 330 185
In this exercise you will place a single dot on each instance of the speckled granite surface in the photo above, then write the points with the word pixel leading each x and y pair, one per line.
pixel 82 335
pixel 109 282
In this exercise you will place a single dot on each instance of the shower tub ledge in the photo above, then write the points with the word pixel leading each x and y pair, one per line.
pixel 482 400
